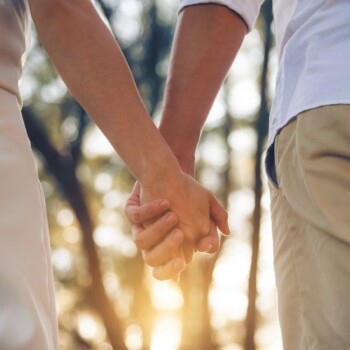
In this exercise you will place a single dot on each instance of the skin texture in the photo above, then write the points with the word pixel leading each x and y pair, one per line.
pixel 206 42
pixel 95 71
pixel 161 240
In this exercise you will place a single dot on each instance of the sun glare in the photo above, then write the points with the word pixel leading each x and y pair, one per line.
pixel 166 296
pixel 166 334
pixel 133 339
pixel 89 328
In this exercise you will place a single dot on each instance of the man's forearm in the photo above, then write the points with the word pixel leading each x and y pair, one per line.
pixel 206 41
pixel 91 63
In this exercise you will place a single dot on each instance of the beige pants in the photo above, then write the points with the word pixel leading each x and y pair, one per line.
pixel 311 229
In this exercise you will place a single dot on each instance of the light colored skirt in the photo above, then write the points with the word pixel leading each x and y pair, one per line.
pixel 27 302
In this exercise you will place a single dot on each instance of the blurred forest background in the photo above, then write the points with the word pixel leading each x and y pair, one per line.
pixel 106 297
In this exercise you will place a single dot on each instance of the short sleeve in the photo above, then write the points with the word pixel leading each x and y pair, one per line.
pixel 247 9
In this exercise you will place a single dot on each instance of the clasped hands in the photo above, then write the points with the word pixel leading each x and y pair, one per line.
pixel 170 230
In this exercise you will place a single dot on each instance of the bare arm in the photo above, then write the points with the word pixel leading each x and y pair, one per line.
pixel 91 63
pixel 94 69
pixel 206 42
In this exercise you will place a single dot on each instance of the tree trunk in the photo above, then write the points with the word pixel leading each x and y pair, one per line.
pixel 261 126
pixel 96 293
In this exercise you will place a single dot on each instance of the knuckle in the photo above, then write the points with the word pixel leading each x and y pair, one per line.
pixel 149 260
pixel 159 275
pixel 132 214
pixel 128 213
pixel 140 242
pixel 214 245
pixel 126 209
pixel 204 228
pixel 136 217
pixel 215 248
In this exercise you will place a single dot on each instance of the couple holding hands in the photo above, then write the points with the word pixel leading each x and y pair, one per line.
pixel 94 69
pixel 179 216
pixel 307 157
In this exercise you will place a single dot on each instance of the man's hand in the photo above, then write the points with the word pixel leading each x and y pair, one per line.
pixel 191 202
pixel 161 241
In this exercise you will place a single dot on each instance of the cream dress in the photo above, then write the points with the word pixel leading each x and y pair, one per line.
pixel 27 303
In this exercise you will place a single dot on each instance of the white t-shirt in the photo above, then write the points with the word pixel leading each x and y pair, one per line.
pixel 313 45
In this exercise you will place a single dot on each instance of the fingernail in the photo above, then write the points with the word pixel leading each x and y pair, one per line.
pixel 178 236
pixel 171 218
pixel 176 278
pixel 164 204
pixel 209 248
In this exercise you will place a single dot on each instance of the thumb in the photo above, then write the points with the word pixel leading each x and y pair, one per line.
pixel 211 242
pixel 134 198
pixel 219 215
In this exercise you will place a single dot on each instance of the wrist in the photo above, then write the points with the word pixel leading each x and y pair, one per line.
pixel 162 166
pixel 186 162
pixel 180 127
pixel 183 146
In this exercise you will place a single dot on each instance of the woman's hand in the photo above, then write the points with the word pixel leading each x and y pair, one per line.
pixel 160 241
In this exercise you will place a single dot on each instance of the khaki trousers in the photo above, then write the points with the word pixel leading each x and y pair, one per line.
pixel 310 206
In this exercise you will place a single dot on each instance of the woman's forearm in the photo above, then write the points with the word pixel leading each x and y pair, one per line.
pixel 94 69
